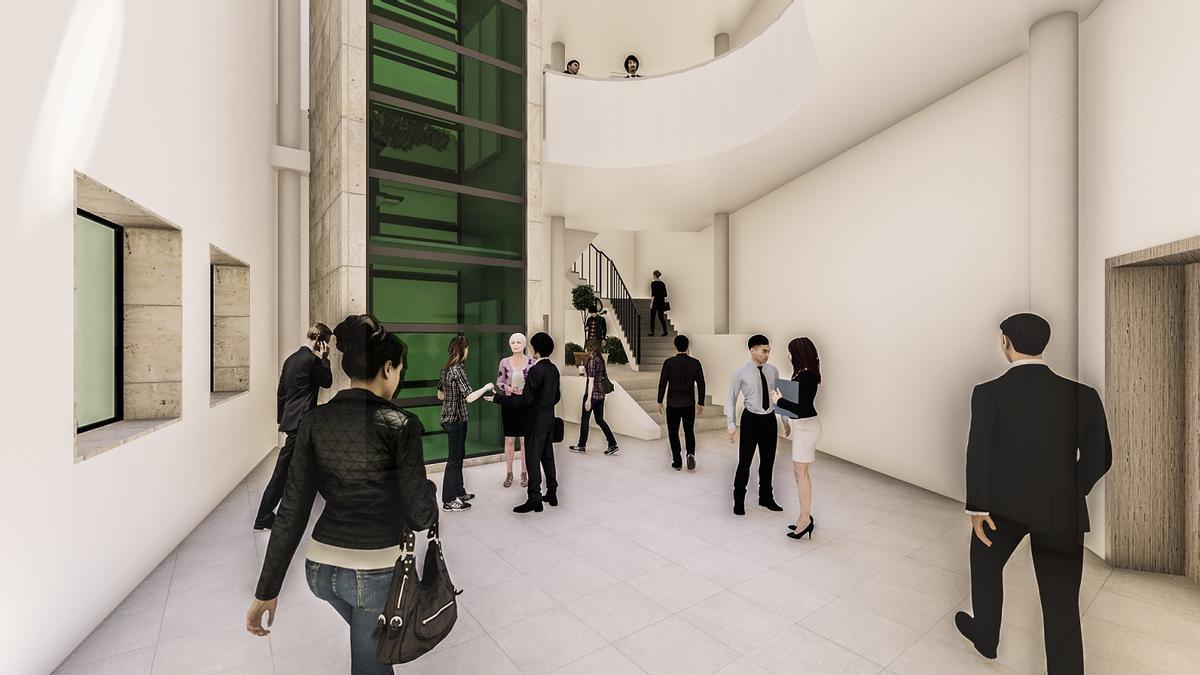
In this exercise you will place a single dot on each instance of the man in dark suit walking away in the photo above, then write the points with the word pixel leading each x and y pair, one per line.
pixel 658 302
pixel 1038 444
pixel 539 395
pixel 684 404
pixel 304 373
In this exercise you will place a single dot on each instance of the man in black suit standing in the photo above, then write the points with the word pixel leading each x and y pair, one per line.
pixel 1038 444
pixel 304 373
pixel 540 394
pixel 684 404
pixel 658 302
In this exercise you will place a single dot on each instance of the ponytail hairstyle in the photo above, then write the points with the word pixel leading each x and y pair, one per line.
pixel 457 351
pixel 366 345
pixel 803 354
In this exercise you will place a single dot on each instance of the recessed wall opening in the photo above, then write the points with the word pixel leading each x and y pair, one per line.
pixel 128 319
pixel 1152 495
pixel 229 358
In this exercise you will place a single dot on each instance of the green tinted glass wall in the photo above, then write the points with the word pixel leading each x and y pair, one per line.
pixel 446 192
pixel 98 319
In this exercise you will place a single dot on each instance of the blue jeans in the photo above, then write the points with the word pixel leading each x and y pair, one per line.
pixel 359 596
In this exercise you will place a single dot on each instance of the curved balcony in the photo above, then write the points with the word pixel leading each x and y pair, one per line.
pixel 693 113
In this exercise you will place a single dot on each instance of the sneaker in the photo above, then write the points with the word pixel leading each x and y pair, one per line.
pixel 577 448
pixel 456 505
pixel 467 497
pixel 691 459
pixel 612 451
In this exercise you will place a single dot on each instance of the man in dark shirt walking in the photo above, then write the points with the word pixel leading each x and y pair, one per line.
pixel 658 303
pixel 685 402
pixel 304 373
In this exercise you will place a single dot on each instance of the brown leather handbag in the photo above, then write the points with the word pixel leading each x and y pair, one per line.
pixel 420 611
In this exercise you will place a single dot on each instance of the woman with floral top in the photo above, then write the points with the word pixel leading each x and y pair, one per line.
pixel 511 380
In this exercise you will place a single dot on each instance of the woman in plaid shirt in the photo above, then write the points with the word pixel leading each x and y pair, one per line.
pixel 454 389
pixel 593 400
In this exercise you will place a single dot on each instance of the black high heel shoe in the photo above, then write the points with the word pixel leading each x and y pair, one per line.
pixel 812 524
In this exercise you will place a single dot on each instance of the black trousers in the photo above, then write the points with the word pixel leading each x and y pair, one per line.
pixel 539 459
pixel 274 491
pixel 662 318
pixel 452 477
pixel 757 431
pixel 687 415
pixel 1058 564
pixel 586 415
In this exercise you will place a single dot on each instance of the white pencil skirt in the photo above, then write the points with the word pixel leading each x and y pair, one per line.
pixel 805 435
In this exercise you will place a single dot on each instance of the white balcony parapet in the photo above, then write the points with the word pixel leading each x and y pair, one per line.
pixel 702 111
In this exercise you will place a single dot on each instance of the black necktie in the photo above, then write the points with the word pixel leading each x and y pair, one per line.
pixel 766 402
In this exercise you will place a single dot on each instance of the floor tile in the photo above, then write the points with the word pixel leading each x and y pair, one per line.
pixel 862 631
pixel 799 650
pixel 547 641
pixel 1177 627
pixel 673 543
pixel 825 572
pixel 136 662
pixel 896 600
pixel 735 620
pixel 506 603
pixel 675 587
pixel 928 655
pixel 606 661
pixel 724 568
pixel 211 651
pixel 617 611
pixel 572 579
pixel 651 649
pixel 117 635
pixel 479 655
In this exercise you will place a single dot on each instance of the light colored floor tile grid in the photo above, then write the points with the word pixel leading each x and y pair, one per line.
pixel 643 569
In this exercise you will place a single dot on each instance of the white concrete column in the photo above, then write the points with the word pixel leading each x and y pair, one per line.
pixel 558 283
pixel 558 56
pixel 288 126
pixel 720 44
pixel 1054 184
pixel 721 273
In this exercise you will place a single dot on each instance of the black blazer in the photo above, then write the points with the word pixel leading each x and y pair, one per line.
pixel 685 375
pixel 539 395
pixel 658 293
pixel 1027 428
pixel 303 374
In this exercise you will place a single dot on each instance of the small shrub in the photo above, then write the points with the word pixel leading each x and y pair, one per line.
pixel 571 349
pixel 615 350
pixel 583 297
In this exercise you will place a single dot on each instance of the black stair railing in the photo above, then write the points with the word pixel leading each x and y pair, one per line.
pixel 595 267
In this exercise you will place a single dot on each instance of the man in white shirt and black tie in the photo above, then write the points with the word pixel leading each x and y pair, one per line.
pixel 755 381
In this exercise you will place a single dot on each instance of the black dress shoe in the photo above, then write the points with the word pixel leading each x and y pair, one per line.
pixel 739 503
pixel 769 504
pixel 528 506
pixel 691 462
pixel 965 625
pixel 550 498
pixel 676 465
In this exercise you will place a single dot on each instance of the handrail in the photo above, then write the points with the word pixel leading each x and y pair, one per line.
pixel 601 272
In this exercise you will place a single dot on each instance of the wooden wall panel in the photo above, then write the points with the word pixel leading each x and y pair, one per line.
pixel 1145 388
pixel 1191 370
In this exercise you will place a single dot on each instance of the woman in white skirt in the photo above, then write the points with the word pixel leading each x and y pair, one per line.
pixel 805 431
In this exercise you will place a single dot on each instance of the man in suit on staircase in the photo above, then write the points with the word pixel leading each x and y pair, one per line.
pixel 1038 444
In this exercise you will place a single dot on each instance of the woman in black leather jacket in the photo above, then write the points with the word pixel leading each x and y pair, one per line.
pixel 362 453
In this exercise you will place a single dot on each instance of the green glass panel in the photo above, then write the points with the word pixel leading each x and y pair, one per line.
pixel 429 219
pixel 427 355
pixel 419 71
pixel 486 26
pixel 95 322
pixel 419 145
pixel 465 293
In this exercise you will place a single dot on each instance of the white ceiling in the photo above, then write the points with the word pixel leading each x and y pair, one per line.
pixel 666 35
pixel 879 61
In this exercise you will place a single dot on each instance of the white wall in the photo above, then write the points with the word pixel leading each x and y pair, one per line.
pixel 1138 146
pixel 169 103
pixel 899 258
pixel 621 246
pixel 686 262
pixel 763 14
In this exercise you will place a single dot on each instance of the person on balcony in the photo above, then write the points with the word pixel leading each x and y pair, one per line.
pixel 572 67
pixel 595 327
pixel 631 66
pixel 658 303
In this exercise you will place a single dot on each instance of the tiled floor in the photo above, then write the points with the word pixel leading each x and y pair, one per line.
pixel 644 569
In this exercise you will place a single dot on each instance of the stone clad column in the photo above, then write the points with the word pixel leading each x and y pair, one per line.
pixel 287 129
pixel 558 284
pixel 1054 184
pixel 537 291
pixel 721 273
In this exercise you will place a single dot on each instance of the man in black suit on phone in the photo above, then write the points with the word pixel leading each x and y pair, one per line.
pixel 1038 444
pixel 304 373
pixel 539 396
